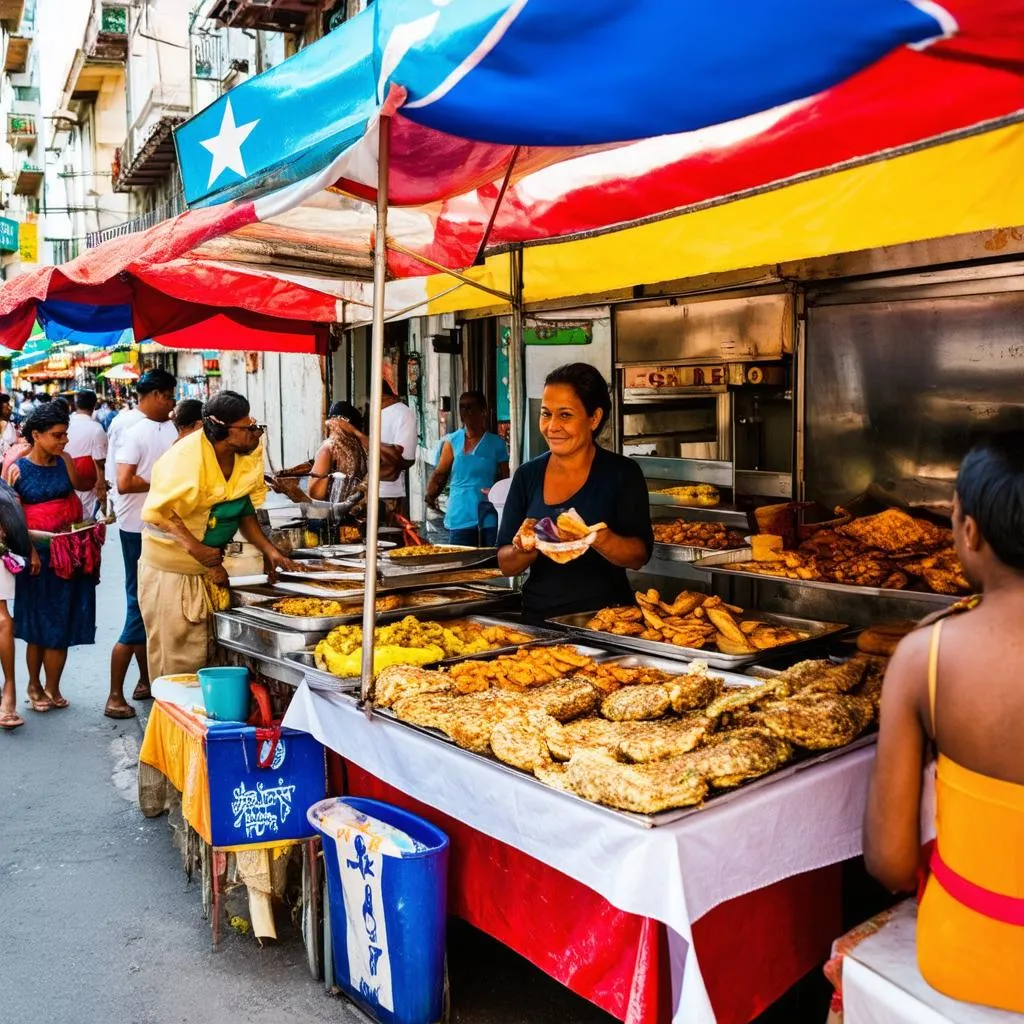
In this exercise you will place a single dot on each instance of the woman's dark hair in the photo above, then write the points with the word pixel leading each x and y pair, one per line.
pixel 52 414
pixel 590 387
pixel 222 410
pixel 990 486
pixel 477 396
pixel 347 411
pixel 187 413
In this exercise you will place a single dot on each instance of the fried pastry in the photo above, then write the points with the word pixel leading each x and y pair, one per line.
pixel 819 721
pixel 643 789
pixel 695 690
pixel 636 703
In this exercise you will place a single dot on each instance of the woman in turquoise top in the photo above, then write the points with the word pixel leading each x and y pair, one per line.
pixel 472 461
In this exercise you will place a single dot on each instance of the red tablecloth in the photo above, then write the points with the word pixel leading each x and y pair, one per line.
pixel 751 949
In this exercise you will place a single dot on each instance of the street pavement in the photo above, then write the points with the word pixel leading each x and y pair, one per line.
pixel 98 923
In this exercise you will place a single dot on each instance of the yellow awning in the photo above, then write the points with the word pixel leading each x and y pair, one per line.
pixel 973 184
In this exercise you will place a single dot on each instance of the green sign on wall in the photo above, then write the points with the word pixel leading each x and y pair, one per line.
pixel 8 235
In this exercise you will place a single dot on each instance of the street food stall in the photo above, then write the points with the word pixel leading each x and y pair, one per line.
pixel 673 782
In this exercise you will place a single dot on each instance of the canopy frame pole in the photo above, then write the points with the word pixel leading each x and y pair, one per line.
pixel 380 273
pixel 479 261
pixel 515 360
pixel 427 261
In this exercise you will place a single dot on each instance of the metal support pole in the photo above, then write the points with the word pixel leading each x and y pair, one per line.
pixel 515 360
pixel 380 272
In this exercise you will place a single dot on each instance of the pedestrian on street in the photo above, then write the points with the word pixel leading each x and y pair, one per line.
pixel 17 546
pixel 8 431
pixel 55 600
pixel 202 492
pixel 87 446
pixel 138 449
pixel 187 417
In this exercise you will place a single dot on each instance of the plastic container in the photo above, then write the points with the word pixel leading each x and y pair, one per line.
pixel 387 895
pixel 225 693
pixel 262 781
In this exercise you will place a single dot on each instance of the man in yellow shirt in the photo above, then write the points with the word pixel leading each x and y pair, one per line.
pixel 203 491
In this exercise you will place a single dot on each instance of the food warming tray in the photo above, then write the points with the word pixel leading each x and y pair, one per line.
pixel 283 671
pixel 680 552
pixel 439 603
pixel 721 562
pixel 577 624
pixel 260 638
pixel 392 584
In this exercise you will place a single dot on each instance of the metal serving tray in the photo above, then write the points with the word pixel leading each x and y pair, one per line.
pixel 577 624
pixel 680 552
pixel 539 635
pixel 243 596
pixel 261 638
pixel 392 584
pixel 274 668
pixel 459 555
pixel 675 668
pixel 721 562
pixel 340 550
pixel 441 603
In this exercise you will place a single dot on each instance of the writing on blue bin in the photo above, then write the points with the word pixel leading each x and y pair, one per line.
pixel 372 994
pixel 375 954
pixel 363 862
pixel 261 810
pixel 369 921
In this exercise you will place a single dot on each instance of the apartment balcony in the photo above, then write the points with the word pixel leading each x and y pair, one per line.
pixel 16 54
pixel 28 179
pixel 106 35
pixel 21 131
pixel 11 12
pixel 148 154
pixel 263 15
pixel 145 220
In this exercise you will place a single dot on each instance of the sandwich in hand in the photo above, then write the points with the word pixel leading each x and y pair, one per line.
pixel 567 537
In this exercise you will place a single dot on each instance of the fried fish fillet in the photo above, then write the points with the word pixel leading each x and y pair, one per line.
pixel 397 681
pixel 736 698
pixel 588 734
pixel 695 690
pixel 819 721
pixel 565 699
pixel 643 789
pixel 665 739
pixel 822 675
pixel 520 742
pixel 738 756
pixel 477 715
pixel 554 775
pixel 429 710
pixel 874 675
pixel 636 703
pixel 893 530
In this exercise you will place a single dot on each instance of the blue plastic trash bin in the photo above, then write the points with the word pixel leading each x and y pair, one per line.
pixel 225 693
pixel 387 880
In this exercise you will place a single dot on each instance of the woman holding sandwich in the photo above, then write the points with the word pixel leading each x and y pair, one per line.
pixel 603 488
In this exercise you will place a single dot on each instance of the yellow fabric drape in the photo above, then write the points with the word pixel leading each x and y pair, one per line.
pixel 972 184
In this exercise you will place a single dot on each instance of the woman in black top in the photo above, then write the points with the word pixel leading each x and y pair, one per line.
pixel 576 473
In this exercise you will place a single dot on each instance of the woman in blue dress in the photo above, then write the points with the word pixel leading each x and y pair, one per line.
pixel 472 461
pixel 55 600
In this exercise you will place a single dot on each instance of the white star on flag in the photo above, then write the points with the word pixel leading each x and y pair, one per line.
pixel 226 145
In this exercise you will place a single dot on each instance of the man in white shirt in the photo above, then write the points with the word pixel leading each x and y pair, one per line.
pixel 87 446
pixel 400 432
pixel 138 447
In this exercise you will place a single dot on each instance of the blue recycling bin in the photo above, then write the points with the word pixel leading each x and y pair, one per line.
pixel 387 880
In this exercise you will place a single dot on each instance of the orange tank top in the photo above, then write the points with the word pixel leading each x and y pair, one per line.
pixel 970 933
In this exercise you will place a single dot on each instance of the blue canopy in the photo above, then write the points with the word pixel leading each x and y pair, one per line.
pixel 540 73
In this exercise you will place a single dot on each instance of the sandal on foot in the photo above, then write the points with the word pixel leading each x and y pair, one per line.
pixel 141 692
pixel 119 713
pixel 39 704
pixel 11 720
pixel 59 703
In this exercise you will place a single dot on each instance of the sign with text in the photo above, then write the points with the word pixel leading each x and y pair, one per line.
pixel 8 235
pixel 675 376
pixel 28 243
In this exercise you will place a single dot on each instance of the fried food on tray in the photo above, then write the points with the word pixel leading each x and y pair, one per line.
pixel 891 550
pixel 420 550
pixel 479 713
pixel 644 789
pixel 588 734
pixel 696 621
pixel 610 677
pixel 694 690
pixel 530 666
pixel 565 699
pixel 398 681
pixel 693 494
pixel 874 674
pixel 739 755
pixel 554 775
pixel 519 741
pixel 636 704
pixel 665 739
pixel 738 698
pixel 307 607
pixel 821 676
pixel 429 710
pixel 714 536
pixel 819 721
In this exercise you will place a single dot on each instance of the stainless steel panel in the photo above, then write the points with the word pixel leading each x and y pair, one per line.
pixel 766 485
pixel 261 638
pixel 819 631
pixel 718 474
pixel 895 391
pixel 731 330
pixel 282 670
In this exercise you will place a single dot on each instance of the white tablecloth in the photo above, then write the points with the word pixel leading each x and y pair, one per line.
pixel 674 874
pixel 882 985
